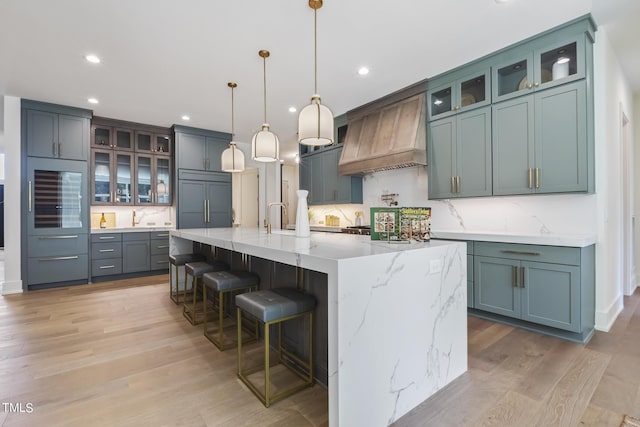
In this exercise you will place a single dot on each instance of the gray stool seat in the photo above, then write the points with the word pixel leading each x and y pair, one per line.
pixel 180 261
pixel 196 269
pixel 220 286
pixel 230 280
pixel 272 308
pixel 274 304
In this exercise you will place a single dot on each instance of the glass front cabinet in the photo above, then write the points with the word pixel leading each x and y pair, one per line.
pixel 111 179
pixel 153 180
pixel 465 93
pixel 542 68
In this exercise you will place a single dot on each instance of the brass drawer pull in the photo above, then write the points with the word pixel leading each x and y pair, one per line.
pixel 104 267
pixel 58 258
pixel 106 237
pixel 522 271
pixel 106 250
pixel 162 235
pixel 58 237
pixel 521 253
pixel 162 246
pixel 515 277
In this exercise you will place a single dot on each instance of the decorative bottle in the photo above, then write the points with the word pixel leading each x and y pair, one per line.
pixel 302 215
pixel 103 221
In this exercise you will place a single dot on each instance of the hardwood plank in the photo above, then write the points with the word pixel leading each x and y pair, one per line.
pixel 596 416
pixel 514 409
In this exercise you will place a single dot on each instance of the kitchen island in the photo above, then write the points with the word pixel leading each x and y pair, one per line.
pixel 397 323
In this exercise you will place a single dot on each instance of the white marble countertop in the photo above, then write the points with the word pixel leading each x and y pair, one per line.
pixel 325 228
pixel 570 240
pixel 137 229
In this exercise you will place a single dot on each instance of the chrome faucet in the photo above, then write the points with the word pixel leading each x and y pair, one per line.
pixel 284 207
pixel 133 219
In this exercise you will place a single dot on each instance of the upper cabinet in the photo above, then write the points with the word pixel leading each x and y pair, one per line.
pixel 130 163
pixel 539 68
pixel 199 149
pixel 56 132
pixel 460 94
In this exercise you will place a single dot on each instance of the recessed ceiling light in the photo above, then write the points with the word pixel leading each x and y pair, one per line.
pixel 363 71
pixel 92 58
pixel 501 1
pixel 437 102
pixel 92 100
pixel 186 118
pixel 563 60
pixel 292 109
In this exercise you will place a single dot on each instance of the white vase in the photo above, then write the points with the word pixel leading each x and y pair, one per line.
pixel 302 215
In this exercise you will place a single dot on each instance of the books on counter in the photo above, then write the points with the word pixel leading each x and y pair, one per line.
pixel 401 224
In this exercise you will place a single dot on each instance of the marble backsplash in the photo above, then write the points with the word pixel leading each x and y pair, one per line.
pixel 345 213
pixel 146 216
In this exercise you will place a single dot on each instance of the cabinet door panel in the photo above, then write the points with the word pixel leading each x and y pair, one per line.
pixel 513 146
pixel 305 173
pixel 550 295
pixel 191 205
pixel 561 141
pixel 470 299
pixel 473 153
pixel 42 133
pixel 441 151
pixel 135 256
pixel 56 268
pixel 215 147
pixel 219 205
pixel 330 175
pixel 73 136
pixel 495 286
pixel 191 151
pixel 316 195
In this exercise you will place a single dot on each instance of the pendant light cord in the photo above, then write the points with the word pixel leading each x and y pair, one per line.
pixel 232 118
pixel 264 73
pixel 315 49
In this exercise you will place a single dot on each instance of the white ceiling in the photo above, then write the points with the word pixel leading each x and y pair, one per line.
pixel 164 58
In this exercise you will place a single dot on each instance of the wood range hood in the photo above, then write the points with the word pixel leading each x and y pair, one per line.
pixel 388 136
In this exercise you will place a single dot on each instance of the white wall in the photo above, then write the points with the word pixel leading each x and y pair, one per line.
pixel 636 178
pixel 547 214
pixel 12 278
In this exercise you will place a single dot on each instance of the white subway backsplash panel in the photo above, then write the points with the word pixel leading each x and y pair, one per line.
pixel 146 216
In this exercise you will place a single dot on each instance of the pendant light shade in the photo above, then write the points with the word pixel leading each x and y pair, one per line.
pixel 265 146
pixel 232 159
pixel 315 122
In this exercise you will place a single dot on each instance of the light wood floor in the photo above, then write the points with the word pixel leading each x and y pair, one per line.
pixel 121 354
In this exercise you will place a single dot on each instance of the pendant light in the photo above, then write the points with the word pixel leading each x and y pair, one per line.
pixel 315 122
pixel 265 146
pixel 232 159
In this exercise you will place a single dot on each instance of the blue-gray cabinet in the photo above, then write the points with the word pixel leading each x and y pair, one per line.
pixel 54 131
pixel 459 150
pixel 545 285
pixel 204 199
pixel 540 142
pixel 318 173
pixel 136 252
pixel 199 149
pixel 106 254
pixel 459 93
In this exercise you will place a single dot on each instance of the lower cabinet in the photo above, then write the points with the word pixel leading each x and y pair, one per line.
pixel 546 285
pixel 57 259
pixel 125 253
pixel 470 274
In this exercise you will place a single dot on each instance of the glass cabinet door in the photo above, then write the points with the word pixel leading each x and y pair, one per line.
pixel 441 101
pixel 143 180
pixel 162 144
pixel 124 169
pixel 559 64
pixel 56 196
pixel 144 141
pixel 101 136
pixel 163 181
pixel 123 139
pixel 513 77
pixel 102 189
pixel 473 91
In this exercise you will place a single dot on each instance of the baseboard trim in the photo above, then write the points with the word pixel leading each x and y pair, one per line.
pixel 605 319
pixel 12 287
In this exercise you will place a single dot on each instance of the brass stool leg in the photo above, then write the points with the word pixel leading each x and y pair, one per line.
pixel 221 319
pixel 267 388
pixel 239 323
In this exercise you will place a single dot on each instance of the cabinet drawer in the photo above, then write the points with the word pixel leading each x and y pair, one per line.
pixel 106 237
pixel 66 244
pixel 135 237
pixel 106 250
pixel 160 247
pixel 539 253
pixel 159 235
pixel 59 268
pixel 159 262
pixel 104 267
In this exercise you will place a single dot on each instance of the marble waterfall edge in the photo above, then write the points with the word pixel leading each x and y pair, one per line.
pixel 417 315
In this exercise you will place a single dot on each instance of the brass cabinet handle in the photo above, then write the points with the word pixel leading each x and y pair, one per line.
pixel 458 183
pixel 536 84
pixel 55 149
pixel 453 184
pixel 537 177
pixel 59 149
pixel 520 253
pixel 515 277
pixel 522 271
pixel 102 267
pixel 204 210
pixel 106 237
pixel 530 178
pixel 71 236
pixel 529 86
pixel 162 235
pixel 106 250
pixel 29 196
pixel 208 211
pixel 162 246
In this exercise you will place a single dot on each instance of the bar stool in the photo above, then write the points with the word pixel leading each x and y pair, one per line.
pixel 196 270
pixel 178 261
pixel 273 307
pixel 221 284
